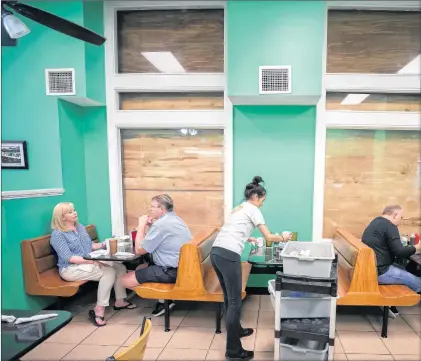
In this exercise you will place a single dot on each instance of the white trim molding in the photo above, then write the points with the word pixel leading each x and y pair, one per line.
pixel 156 119
pixel 32 193
pixel 341 119
pixel 373 83
pixel 403 5
pixel 319 150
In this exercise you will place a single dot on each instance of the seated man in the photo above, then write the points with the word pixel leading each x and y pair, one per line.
pixel 382 235
pixel 162 235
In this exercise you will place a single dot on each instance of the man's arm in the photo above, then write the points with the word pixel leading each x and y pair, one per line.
pixel 395 244
pixel 148 237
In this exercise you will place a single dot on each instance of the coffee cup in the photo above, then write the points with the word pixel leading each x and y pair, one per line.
pixel 260 242
pixel 112 248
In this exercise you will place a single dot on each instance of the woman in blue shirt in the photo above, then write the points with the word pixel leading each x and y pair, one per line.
pixel 71 242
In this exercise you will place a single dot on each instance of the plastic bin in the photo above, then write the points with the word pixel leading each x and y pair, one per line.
pixel 292 349
pixel 317 264
pixel 301 304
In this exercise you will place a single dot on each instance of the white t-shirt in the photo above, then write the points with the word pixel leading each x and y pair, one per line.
pixel 239 227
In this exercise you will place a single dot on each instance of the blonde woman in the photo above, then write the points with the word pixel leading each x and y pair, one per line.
pixel 71 242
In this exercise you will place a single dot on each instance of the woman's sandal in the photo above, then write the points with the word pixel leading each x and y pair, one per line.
pixel 129 306
pixel 93 317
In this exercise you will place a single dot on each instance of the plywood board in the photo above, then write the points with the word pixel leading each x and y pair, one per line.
pixel 368 170
pixel 172 101
pixel 194 37
pixel 372 41
pixel 200 210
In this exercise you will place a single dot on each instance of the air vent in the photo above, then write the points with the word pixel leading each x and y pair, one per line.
pixel 60 81
pixel 275 79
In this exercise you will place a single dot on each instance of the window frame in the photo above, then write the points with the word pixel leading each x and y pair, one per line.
pixel 159 119
pixel 358 83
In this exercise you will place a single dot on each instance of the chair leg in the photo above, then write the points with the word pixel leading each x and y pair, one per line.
pixel 218 317
pixel 385 321
pixel 167 315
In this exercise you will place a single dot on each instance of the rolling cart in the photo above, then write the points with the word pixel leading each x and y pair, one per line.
pixel 305 311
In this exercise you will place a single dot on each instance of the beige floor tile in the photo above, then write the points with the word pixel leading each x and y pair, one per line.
pixel 264 339
pixel 413 310
pixel 266 319
pixel 265 303
pixel 73 333
pixel 48 351
pixel 158 338
pixel 264 356
pixel 199 338
pixel 176 318
pixel 405 358
pixel 249 318
pixel 220 340
pixel 367 357
pixel 353 323
pixel 339 357
pixel 395 325
pixel 338 346
pixel 405 343
pixel 183 354
pixel 130 317
pixel 199 318
pixel 90 352
pixel 110 335
pixel 216 355
pixel 151 354
pixel 414 321
pixel 362 342
pixel 251 303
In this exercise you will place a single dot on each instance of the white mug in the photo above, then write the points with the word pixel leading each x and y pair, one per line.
pixel 260 242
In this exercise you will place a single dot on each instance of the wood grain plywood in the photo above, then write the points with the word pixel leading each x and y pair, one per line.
pixel 377 102
pixel 165 159
pixel 372 41
pixel 367 170
pixel 195 37
pixel 200 210
pixel 187 167
pixel 172 101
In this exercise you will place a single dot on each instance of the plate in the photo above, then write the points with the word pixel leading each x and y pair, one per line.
pixel 124 254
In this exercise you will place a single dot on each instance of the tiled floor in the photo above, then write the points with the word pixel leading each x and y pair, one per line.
pixel 192 335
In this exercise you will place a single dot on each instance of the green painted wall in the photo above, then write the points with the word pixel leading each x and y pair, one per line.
pixel 67 144
pixel 277 143
pixel 96 163
pixel 27 113
pixel 275 33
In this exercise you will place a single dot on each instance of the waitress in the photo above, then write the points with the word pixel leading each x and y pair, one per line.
pixel 226 260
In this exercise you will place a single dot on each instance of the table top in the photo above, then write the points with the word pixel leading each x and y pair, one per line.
pixel 112 258
pixel 18 340
pixel 264 256
pixel 416 258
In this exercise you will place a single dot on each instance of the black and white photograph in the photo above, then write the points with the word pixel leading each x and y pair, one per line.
pixel 14 155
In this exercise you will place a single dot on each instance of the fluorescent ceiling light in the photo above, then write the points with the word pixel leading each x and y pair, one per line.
pixel 15 27
pixel 413 67
pixel 164 61
pixel 354 99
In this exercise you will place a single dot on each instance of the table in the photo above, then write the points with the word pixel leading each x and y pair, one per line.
pixel 264 261
pixel 18 340
pixel 113 258
pixel 414 265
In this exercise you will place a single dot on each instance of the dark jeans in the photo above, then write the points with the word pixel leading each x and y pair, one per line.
pixel 229 275
pixel 156 274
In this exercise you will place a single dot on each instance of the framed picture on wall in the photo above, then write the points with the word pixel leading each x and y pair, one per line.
pixel 14 155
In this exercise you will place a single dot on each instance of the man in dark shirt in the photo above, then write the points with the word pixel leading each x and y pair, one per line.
pixel 383 237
